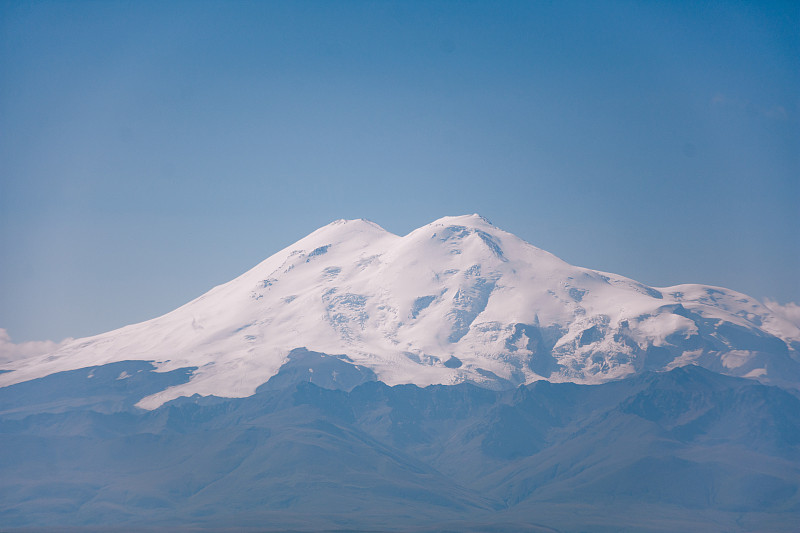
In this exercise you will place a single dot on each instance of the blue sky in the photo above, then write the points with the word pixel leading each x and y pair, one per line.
pixel 151 150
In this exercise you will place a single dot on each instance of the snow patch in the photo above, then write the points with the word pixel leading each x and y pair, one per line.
pixel 453 301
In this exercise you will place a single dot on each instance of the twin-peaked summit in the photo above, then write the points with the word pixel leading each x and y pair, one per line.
pixel 455 300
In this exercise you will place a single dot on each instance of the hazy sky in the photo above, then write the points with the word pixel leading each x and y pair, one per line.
pixel 152 150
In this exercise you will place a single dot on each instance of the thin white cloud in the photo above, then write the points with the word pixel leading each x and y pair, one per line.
pixel 11 351
pixel 789 312
pixel 725 100
pixel 775 112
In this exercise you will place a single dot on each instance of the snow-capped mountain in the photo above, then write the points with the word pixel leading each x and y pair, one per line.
pixel 457 300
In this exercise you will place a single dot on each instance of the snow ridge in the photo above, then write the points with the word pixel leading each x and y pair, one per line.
pixel 456 300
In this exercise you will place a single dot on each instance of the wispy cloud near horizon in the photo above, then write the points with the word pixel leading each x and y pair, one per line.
pixel 789 311
pixel 774 112
pixel 11 351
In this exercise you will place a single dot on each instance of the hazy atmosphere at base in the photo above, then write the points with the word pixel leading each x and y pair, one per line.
pixel 399 266
pixel 149 151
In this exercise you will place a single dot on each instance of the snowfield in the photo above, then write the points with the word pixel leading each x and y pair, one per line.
pixel 457 300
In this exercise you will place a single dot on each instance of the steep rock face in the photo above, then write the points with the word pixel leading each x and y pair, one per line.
pixel 457 300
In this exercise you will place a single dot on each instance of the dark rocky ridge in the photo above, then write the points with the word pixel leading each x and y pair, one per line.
pixel 683 450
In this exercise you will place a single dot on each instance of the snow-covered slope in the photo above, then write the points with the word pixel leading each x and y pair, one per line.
pixel 455 300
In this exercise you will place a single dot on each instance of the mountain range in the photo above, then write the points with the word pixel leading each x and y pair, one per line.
pixel 456 378
pixel 455 301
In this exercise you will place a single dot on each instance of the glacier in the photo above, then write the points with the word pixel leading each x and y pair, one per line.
pixel 455 301
pixel 453 379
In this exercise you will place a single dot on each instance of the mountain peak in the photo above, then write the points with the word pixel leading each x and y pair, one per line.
pixel 355 222
pixel 457 300
pixel 473 220
pixel 344 230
